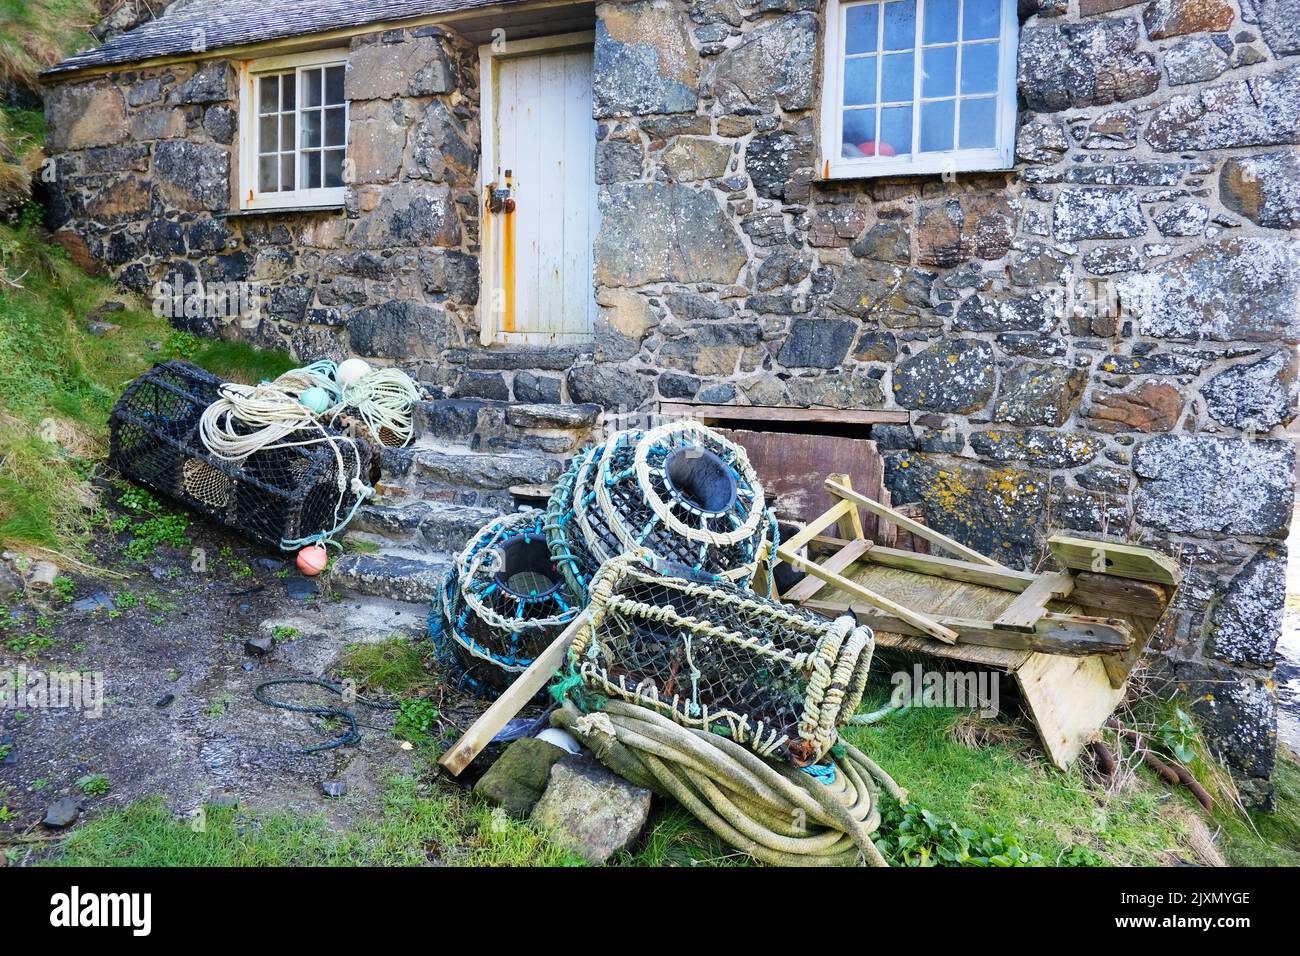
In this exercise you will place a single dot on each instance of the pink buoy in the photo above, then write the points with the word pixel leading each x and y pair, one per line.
pixel 312 560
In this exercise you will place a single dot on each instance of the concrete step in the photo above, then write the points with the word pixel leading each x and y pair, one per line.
pixel 398 576
pixel 463 477
pixel 486 425
pixel 431 525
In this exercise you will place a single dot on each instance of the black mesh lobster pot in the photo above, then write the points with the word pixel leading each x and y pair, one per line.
pixel 681 491
pixel 274 495
pixel 502 603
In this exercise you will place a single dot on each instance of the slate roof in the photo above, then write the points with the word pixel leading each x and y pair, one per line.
pixel 227 23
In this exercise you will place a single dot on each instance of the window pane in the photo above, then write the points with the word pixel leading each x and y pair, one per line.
pixel 286 131
pixel 895 131
pixel 859 134
pixel 268 93
pixel 980 19
pixel 311 170
pixel 940 21
pixel 900 25
pixel 310 129
pixel 860 81
pixel 289 87
pixel 940 71
pixel 267 141
pixel 937 121
pixel 336 132
pixel 897 76
pixel 979 123
pixel 334 84
pixel 860 28
pixel 334 167
pixel 311 91
pixel 286 171
pixel 266 181
pixel 979 68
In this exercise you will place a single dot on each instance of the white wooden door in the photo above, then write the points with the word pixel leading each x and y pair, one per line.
pixel 538 237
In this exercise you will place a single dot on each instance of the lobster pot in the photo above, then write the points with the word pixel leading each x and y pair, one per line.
pixel 273 495
pixel 710 655
pixel 682 492
pixel 502 603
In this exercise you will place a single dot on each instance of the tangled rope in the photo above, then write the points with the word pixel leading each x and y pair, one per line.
pixel 384 400
pixel 774 813
pixel 353 734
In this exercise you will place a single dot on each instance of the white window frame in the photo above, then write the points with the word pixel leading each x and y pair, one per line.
pixel 836 166
pixel 248 194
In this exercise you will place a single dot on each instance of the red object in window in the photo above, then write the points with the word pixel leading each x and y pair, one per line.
pixel 869 148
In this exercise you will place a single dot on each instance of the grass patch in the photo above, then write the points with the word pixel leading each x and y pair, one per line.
pixel 35 34
pixel 392 668
pixel 1260 838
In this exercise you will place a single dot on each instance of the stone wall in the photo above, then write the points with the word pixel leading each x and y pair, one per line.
pixel 1101 340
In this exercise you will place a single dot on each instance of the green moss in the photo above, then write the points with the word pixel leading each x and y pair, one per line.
pixel 391 667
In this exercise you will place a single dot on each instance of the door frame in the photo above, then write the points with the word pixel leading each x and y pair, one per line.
pixel 489 59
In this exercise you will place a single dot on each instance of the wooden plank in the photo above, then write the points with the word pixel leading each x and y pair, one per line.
pixel 792 467
pixel 916 528
pixel 1108 557
pixel 919 622
pixel 1068 700
pixel 1067 635
pixel 856 528
pixel 815 527
pixel 780 413
pixel 1002 658
pixel 836 562
pixel 503 709
pixel 1004 579
pixel 1113 595
pixel 1026 610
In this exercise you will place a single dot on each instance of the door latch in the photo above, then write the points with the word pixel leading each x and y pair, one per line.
pixel 500 200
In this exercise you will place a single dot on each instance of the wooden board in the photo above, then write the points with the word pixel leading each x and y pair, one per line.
pixel 1068 699
pixel 792 468
pixel 1108 557
pixel 781 413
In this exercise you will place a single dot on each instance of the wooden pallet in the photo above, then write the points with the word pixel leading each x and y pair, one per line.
pixel 1069 638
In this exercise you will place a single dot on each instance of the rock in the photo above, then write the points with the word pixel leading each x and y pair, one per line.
pixel 260 645
pixel 540 389
pixel 1171 18
pixel 695 157
pixel 953 375
pixel 100 599
pixel 1264 188
pixel 1279 22
pixel 400 330
pixel 714 349
pixel 1040 142
pixel 1195 60
pixel 664 233
pixel 884 242
pixel 1247 620
pixel 41 575
pixel 487 385
pixel 378 137
pixel 516 780
pixel 165 700
pixel 209 84
pixel 1188 219
pixel 1097 214
pixel 589 810
pixel 193 176
pixel 1037 311
pixel 1092 63
pixel 300 588
pixel 817 343
pixel 1254 396
pixel 11 582
pixel 1234 289
pixel 1036 447
pixel 413 213
pixel 334 788
pixel 771 160
pixel 1113 129
pixel 772 65
pixel 419 66
pixel 618 162
pixel 450 272
pixel 61 813
pixel 83 115
pixel 952 231
pixel 442 148
pixel 1193 484
pixel 644 61
pixel 1037 394
pixel 850 389
pixel 1151 407
pixel 782 268
pixel 1260 111
pixel 609 386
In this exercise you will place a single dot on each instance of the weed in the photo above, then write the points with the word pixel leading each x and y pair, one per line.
pixel 415 721
pixel 282 632
pixel 29 644
pixel 65 588
pixel 94 784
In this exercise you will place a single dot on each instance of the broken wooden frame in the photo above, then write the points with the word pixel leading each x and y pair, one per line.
pixel 1070 638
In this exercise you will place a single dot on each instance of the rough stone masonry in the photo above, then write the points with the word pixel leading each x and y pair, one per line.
pixel 1101 340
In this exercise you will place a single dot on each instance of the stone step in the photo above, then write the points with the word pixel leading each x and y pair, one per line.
pixel 445 473
pixel 432 525
pixel 397 576
pixel 486 425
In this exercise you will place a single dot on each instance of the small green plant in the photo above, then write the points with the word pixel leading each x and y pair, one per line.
pixel 6 750
pixel 29 644
pixel 913 836
pixel 415 720
pixel 126 600
pixel 1179 735
pixel 5 814
pixel 94 784
pixel 282 632
pixel 40 783
pixel 65 588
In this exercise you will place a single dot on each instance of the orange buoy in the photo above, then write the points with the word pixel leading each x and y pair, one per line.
pixel 312 560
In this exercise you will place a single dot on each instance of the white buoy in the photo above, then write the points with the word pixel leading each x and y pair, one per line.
pixel 351 370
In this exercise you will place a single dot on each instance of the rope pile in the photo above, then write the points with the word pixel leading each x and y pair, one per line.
pixel 681 491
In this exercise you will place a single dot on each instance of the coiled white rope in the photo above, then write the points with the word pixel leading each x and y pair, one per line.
pixel 384 399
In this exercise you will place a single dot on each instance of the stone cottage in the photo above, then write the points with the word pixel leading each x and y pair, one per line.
pixel 1043 250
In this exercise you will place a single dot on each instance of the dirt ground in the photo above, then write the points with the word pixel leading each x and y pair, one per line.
pixel 179 717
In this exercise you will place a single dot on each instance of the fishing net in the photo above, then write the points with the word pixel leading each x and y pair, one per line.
pixel 681 491
pixel 501 603
pixel 710 655
pixel 275 496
